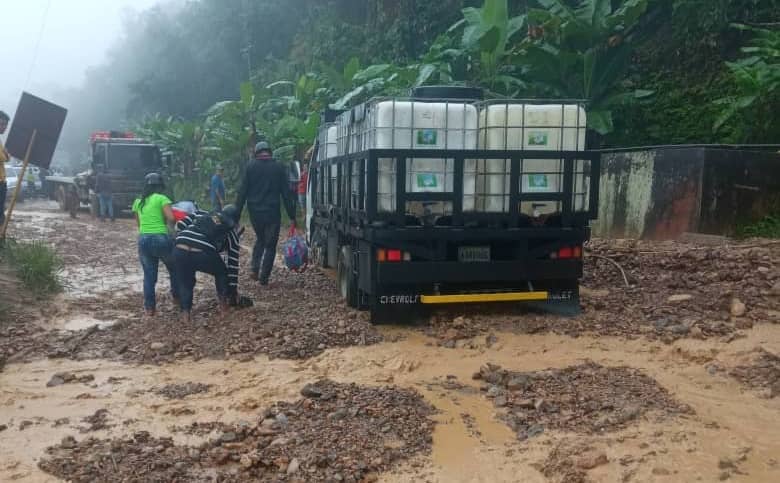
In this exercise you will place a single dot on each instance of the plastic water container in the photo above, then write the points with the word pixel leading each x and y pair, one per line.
pixel 421 125
pixel 328 140
pixel 543 127
pixel 550 127
pixel 408 124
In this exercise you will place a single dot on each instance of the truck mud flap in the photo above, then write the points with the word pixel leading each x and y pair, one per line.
pixel 563 303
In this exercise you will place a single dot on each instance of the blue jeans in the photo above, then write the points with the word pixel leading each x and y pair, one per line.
pixel 190 263
pixel 106 206
pixel 153 249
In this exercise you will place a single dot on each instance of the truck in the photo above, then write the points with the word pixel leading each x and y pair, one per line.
pixel 443 198
pixel 124 157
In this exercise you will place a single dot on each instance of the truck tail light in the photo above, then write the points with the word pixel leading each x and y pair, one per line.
pixel 392 255
pixel 567 253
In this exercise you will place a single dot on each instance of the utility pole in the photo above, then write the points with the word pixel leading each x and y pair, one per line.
pixel 247 50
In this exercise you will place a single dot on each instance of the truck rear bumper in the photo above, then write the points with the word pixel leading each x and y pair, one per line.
pixel 484 297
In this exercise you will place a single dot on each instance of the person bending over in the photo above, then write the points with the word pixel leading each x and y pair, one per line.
pixel 202 239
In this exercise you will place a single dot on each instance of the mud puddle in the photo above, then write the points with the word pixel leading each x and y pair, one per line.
pixel 470 442
pixel 99 256
pixel 85 322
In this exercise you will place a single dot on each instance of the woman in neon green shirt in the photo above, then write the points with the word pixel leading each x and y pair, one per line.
pixel 153 213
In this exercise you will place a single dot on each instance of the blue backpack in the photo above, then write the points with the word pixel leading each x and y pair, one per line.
pixel 296 252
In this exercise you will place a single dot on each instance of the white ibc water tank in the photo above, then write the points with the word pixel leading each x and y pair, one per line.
pixel 543 127
pixel 550 127
pixel 422 125
pixel 406 124
pixel 328 141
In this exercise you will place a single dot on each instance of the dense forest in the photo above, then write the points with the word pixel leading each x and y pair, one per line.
pixel 201 76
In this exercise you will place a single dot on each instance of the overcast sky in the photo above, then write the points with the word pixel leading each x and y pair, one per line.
pixel 76 35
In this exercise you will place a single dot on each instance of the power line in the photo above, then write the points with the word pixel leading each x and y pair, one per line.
pixel 38 43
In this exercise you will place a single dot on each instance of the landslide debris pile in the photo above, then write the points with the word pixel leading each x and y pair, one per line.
pixel 587 398
pixel 680 289
pixel 569 461
pixel 180 391
pixel 762 373
pixel 336 432
pixel 676 290
pixel 19 336
pixel 294 318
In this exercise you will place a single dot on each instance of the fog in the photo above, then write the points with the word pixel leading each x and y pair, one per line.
pixel 74 35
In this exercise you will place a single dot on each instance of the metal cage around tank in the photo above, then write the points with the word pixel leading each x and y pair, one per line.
pixel 346 189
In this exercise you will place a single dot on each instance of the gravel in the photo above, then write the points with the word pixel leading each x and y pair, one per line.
pixel 346 433
pixel 677 290
pixel 180 391
pixel 762 373
pixel 287 321
pixel 588 398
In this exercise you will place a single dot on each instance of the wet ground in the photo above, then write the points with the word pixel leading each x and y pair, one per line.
pixel 673 378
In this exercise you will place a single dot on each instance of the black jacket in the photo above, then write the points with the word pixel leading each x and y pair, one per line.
pixel 264 184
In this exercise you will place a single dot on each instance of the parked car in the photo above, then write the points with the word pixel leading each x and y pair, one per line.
pixel 12 178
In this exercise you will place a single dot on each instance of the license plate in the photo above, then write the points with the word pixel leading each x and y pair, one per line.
pixel 474 254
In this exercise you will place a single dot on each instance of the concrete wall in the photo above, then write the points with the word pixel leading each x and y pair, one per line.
pixel 661 193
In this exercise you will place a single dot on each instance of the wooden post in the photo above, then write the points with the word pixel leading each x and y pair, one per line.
pixel 19 182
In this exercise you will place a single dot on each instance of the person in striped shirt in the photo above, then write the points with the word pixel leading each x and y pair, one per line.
pixel 201 241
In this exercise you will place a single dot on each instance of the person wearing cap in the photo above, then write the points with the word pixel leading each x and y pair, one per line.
pixel 4 158
pixel 153 213
pixel 263 185
pixel 217 189
pixel 202 238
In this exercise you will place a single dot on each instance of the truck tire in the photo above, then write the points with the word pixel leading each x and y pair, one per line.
pixel 61 196
pixel 94 206
pixel 346 277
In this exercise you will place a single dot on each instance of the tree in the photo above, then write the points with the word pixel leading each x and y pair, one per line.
pixel 757 76
pixel 584 52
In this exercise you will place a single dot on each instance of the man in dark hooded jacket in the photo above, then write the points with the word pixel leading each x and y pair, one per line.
pixel 264 184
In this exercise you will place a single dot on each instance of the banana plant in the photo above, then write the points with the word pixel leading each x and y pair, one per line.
pixel 584 52
pixel 487 32
pixel 757 76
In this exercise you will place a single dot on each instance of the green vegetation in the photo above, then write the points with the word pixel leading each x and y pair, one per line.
pixel 757 77
pixel 36 265
pixel 205 79
pixel 767 227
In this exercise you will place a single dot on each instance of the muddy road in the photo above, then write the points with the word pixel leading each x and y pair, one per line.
pixel 673 377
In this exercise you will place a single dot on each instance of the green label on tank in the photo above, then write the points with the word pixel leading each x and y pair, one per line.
pixel 426 180
pixel 426 137
pixel 538 182
pixel 537 138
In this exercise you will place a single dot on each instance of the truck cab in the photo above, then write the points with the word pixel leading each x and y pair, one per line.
pixel 126 160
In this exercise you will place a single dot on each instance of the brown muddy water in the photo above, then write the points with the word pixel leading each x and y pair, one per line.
pixel 731 433
pixel 728 420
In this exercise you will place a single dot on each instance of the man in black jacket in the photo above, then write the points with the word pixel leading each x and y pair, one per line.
pixel 264 184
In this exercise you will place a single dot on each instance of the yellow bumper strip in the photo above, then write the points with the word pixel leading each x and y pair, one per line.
pixel 483 297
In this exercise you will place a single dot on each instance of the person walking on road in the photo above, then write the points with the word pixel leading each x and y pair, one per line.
pixel 105 194
pixel 217 189
pixel 4 158
pixel 202 236
pixel 153 213
pixel 264 184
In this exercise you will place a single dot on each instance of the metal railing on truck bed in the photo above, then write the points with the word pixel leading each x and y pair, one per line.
pixel 407 188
